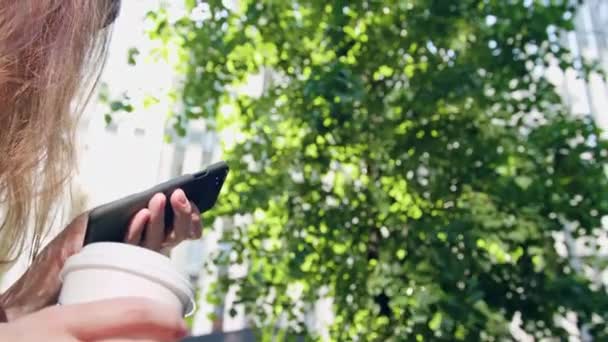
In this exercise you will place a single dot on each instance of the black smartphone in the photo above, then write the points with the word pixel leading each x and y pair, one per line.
pixel 109 222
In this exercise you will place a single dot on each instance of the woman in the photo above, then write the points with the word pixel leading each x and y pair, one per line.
pixel 51 52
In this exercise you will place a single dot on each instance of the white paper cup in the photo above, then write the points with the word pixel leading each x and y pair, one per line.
pixel 107 270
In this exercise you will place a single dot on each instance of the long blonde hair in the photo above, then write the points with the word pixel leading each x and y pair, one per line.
pixel 51 53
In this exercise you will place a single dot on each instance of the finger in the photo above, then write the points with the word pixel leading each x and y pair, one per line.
pixel 137 226
pixel 197 227
pixel 182 209
pixel 122 317
pixel 155 231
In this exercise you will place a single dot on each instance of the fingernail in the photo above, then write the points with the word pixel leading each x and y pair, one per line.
pixel 181 198
pixel 187 207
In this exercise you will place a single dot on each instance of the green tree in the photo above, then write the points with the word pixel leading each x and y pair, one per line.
pixel 410 157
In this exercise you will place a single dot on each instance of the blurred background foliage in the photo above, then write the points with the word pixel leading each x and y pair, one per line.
pixel 408 159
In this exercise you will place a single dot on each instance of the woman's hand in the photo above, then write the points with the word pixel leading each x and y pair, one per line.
pixel 122 319
pixel 147 227
pixel 39 286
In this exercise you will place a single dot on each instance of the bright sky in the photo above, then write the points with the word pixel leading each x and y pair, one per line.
pixel 118 163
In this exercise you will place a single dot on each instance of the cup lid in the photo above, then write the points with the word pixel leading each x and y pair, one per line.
pixel 135 260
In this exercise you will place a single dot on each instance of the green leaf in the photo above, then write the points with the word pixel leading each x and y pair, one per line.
pixel 523 182
pixel 435 322
pixel 132 54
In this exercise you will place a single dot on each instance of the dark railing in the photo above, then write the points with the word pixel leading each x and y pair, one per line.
pixel 246 335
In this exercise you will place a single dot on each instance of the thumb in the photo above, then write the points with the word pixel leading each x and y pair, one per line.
pixel 123 317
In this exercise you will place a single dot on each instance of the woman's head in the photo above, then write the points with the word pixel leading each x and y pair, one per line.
pixel 50 55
